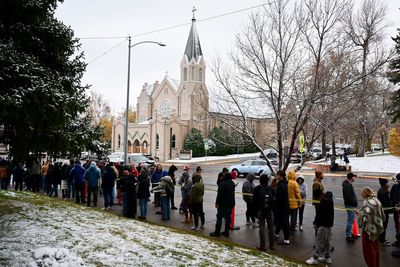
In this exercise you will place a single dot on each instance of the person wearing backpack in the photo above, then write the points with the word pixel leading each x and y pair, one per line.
pixel 264 202
pixel 165 188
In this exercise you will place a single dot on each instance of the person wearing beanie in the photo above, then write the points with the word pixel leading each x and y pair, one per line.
pixel 370 219
pixel 295 201
pixel 224 203
pixel 303 193
pixel 264 202
pixel 384 198
pixel 350 203
pixel 323 222
pixel 395 198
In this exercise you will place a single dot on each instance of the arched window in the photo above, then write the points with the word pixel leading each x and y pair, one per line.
pixel 200 75
pixel 192 73
pixel 185 74
pixel 119 141
pixel 157 141
pixel 173 141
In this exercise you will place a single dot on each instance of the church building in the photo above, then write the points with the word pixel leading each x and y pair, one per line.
pixel 166 111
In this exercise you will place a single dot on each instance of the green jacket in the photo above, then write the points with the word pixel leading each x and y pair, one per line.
pixel 198 192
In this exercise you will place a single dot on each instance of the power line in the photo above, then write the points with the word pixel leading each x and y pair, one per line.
pixel 104 53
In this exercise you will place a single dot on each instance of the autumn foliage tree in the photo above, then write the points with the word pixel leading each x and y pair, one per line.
pixel 394 141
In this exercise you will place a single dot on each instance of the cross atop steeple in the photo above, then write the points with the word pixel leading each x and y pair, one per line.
pixel 194 10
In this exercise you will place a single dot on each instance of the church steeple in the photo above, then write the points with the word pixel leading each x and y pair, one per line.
pixel 193 48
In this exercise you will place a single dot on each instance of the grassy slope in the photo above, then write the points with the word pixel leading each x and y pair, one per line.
pixel 29 221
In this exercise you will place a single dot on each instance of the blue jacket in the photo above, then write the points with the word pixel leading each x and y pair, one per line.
pixel 76 174
pixel 92 176
pixel 156 177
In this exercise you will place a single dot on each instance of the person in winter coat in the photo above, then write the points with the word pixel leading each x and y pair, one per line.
pixel 127 185
pixel 70 182
pixel 92 177
pixel 76 175
pixel 187 197
pixel 155 180
pixel 264 202
pixel 18 176
pixel 224 203
pixel 171 173
pixel 384 198
pixel 56 175
pixel 323 222
pixel 247 190
pixel 295 201
pixel 395 198
pixel 346 160
pixel 166 185
pixel 197 201
pixel 64 181
pixel 282 207
pixel 317 186
pixel 107 184
pixel 350 203
pixel 303 193
pixel 143 192
pixel 370 219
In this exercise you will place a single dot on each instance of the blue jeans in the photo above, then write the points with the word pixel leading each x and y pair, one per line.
pixel 143 207
pixel 350 220
pixel 71 189
pixel 165 207
pixel 108 193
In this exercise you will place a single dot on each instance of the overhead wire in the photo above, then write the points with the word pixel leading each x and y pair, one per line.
pixel 165 29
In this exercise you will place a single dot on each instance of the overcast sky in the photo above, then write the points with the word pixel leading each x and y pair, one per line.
pixel 107 74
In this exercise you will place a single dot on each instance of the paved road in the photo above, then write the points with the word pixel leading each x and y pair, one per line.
pixel 345 254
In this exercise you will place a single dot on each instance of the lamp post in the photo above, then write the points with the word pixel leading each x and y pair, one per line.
pixel 127 93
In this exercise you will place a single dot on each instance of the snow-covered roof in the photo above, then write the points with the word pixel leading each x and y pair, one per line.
pixel 175 83
pixel 144 122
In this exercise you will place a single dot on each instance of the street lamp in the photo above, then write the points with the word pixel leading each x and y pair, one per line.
pixel 127 93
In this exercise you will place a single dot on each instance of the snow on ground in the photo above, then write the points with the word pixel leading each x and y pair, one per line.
pixel 375 163
pixel 39 231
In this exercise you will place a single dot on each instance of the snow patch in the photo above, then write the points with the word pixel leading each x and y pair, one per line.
pixel 55 257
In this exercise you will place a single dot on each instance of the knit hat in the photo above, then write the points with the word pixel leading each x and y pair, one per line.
pixel 382 181
pixel 186 168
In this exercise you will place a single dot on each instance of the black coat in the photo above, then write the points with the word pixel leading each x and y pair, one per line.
pixel 324 213
pixel 144 186
pixel 349 196
pixel 226 194
pixel 259 193
pixel 395 194
pixel 282 198
pixel 109 178
pixel 127 184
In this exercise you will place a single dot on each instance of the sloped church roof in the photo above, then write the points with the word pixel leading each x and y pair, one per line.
pixel 193 48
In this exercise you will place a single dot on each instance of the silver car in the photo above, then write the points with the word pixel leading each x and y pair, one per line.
pixel 255 166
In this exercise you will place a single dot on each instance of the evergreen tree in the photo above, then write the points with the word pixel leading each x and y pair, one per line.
pixel 41 95
pixel 194 141
pixel 394 77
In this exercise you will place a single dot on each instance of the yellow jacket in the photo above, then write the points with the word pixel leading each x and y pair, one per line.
pixel 293 191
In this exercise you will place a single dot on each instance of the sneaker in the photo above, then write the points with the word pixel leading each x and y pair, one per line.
pixel 284 242
pixel 194 228
pixel 202 226
pixel 174 208
pixel 248 223
pixel 312 261
pixel 301 228
pixel 385 244
pixel 350 239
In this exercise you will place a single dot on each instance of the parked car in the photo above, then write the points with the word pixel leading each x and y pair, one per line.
pixel 255 166
pixel 139 158
pixel 270 153
pixel 295 158
pixel 316 153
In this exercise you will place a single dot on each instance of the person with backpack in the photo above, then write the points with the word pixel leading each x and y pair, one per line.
pixel 165 188
pixel 247 190
pixel 323 222
pixel 264 202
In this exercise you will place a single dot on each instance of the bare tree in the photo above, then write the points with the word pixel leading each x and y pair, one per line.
pixel 365 29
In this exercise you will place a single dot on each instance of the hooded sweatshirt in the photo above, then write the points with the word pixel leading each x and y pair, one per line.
pixel 293 191
pixel 92 175
pixel 371 217
pixel 197 189
pixel 248 187
pixel 164 182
